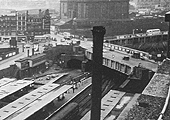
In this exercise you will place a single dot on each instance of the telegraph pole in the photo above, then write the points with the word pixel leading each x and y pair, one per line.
pixel 97 58
pixel 167 19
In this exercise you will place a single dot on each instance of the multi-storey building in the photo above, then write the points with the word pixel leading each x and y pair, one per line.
pixel 83 14
pixel 8 26
pixel 38 24
pixel 21 25
pixel 24 25
pixel 92 11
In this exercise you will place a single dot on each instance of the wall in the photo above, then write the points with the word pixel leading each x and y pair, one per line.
pixel 7 52
pixel 11 72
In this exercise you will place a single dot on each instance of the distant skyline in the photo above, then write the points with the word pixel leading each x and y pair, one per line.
pixel 29 4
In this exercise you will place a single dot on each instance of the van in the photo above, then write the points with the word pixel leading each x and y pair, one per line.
pixel 153 31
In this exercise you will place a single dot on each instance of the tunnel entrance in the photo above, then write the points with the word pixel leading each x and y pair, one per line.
pixel 74 64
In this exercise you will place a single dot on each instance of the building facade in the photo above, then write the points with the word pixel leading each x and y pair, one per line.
pixel 38 24
pixel 24 25
pixel 90 11
pixel 31 65
pixel 21 25
pixel 8 26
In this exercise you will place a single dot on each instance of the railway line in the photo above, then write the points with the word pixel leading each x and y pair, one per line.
pixel 113 104
pixel 83 98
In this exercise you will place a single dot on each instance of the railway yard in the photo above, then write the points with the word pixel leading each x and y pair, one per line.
pixel 49 95
pixel 73 86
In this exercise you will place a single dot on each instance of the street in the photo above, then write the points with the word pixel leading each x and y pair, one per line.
pixel 24 51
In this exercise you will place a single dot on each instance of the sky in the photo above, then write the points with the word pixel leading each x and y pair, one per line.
pixel 28 4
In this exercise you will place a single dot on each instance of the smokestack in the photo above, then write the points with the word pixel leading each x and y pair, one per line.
pixel 98 38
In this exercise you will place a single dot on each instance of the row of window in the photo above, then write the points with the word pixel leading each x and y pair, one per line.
pixel 4 28
pixel 124 49
pixel 6 33
pixel 35 20
pixel 22 18
pixel 21 28
pixel 38 33
pixel 7 24
pixel 7 18
pixel 7 29
pixel 21 23
pixel 14 33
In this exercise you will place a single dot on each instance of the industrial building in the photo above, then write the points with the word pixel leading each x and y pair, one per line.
pixel 90 12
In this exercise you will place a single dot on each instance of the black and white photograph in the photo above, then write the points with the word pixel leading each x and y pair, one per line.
pixel 84 59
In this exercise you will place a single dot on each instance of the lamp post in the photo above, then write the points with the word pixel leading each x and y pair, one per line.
pixel 167 19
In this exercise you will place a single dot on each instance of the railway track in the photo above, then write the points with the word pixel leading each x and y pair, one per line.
pixel 114 105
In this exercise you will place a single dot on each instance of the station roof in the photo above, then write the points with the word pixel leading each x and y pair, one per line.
pixel 31 57
pixel 13 87
pixel 23 101
pixel 41 102
pixel 5 81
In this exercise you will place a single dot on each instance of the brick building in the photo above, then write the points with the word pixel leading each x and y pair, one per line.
pixel 87 12
pixel 38 23
pixel 31 65
pixel 79 16
pixel 21 25
pixel 24 24
pixel 8 26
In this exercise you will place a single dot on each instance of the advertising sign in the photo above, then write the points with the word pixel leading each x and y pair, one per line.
pixel 36 47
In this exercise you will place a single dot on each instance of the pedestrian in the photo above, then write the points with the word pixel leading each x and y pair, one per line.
pixel 73 88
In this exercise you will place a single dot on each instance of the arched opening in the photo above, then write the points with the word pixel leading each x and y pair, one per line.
pixel 74 63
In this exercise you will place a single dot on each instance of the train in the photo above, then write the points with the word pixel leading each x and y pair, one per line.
pixel 68 112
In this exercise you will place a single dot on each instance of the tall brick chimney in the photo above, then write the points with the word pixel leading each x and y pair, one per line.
pixel 98 38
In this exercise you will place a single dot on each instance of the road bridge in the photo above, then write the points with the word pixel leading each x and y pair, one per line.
pixel 122 59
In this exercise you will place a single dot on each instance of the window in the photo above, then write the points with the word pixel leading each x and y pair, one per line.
pixel 104 60
pixel 19 23
pixel 117 65
pixel 19 28
pixel 23 23
pixel 107 62
pixel 19 18
pixel 112 64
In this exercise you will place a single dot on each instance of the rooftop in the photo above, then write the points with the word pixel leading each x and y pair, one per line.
pixel 31 57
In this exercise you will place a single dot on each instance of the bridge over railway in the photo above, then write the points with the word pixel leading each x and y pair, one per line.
pixel 122 59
